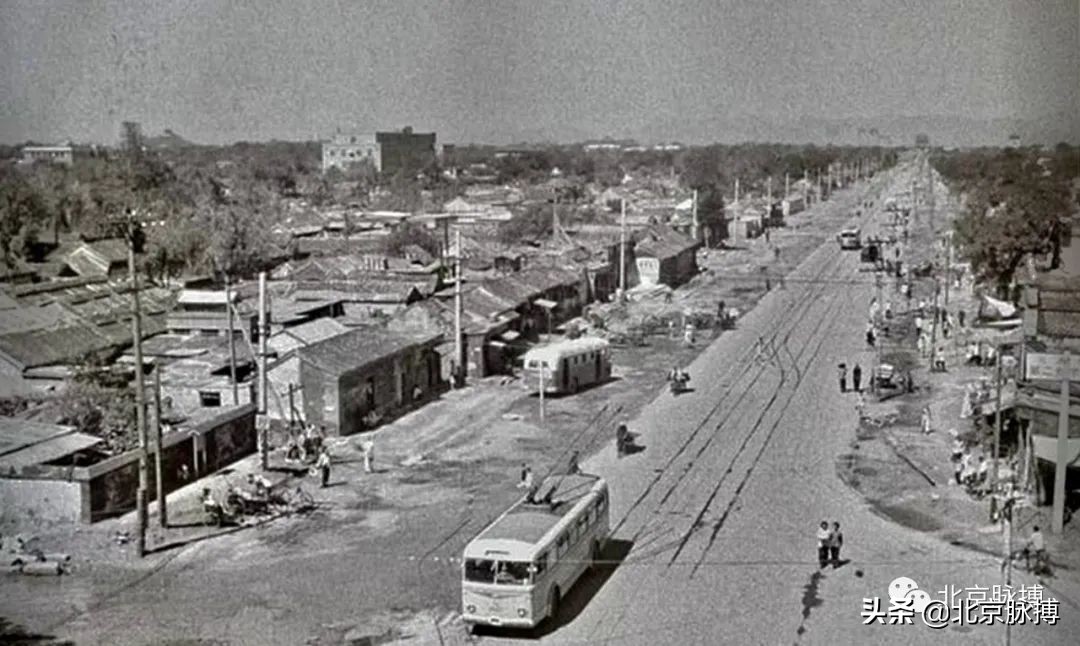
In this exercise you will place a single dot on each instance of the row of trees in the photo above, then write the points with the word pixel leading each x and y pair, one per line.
pixel 1017 203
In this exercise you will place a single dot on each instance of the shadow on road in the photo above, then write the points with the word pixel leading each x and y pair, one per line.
pixel 575 601
pixel 581 389
pixel 11 633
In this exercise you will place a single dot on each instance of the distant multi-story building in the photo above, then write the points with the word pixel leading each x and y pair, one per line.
pixel 60 154
pixel 346 150
pixel 405 149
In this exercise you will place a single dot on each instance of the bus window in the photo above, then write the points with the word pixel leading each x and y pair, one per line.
pixel 561 545
pixel 534 364
pixel 512 573
pixel 480 570
pixel 541 565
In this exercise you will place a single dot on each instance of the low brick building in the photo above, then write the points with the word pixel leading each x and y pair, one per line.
pixel 354 381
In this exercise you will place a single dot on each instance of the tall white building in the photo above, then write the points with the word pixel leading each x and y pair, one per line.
pixel 345 150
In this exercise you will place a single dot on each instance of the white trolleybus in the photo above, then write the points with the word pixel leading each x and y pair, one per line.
pixel 518 569
pixel 566 366
pixel 850 239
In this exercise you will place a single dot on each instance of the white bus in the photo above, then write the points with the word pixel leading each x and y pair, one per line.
pixel 518 569
pixel 850 239
pixel 567 365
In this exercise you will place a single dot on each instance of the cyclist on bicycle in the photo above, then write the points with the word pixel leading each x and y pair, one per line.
pixel 1036 547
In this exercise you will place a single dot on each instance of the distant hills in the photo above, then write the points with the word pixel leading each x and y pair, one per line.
pixel 168 140
pixel 887 131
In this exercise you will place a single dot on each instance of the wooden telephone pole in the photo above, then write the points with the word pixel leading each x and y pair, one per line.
pixel 134 236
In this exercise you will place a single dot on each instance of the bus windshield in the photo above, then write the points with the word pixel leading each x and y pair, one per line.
pixel 499 572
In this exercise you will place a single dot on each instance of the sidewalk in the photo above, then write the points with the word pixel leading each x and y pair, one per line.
pixel 908 476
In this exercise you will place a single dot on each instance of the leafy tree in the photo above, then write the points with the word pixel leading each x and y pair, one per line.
pixel 1009 217
pixel 402 194
pixel 711 216
pixel 22 214
pixel 99 403
pixel 410 234
pixel 239 232
pixel 532 224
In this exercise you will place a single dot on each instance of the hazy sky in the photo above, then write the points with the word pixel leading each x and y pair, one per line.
pixel 226 70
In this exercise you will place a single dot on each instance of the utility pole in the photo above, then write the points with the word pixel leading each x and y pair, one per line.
pixel 622 246
pixel 806 188
pixel 264 378
pixel 768 191
pixel 736 191
pixel 695 224
pixel 232 343
pixel 787 185
pixel 1062 449
pixel 948 265
pixel 542 371
pixel 159 460
pixel 997 421
pixel 458 346
pixel 140 388
pixel 880 341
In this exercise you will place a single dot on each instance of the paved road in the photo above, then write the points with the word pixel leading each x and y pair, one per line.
pixel 719 512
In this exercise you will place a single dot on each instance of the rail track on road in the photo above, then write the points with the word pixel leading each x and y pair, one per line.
pixel 784 325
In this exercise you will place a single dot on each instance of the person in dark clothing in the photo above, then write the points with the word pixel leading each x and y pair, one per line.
pixel 856 378
pixel 836 541
pixel 842 369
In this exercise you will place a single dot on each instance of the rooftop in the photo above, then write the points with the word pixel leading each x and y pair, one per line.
pixel 24 443
pixel 528 523
pixel 360 347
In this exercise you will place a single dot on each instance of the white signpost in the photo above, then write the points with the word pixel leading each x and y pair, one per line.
pixel 1063 368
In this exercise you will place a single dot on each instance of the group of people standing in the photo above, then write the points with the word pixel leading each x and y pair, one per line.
pixel 856 378
pixel 829 540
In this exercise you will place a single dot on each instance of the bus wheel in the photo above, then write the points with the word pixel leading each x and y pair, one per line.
pixel 553 605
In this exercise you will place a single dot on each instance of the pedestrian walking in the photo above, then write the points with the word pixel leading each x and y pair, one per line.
pixel 368 449
pixel 323 464
pixel 856 378
pixel 983 471
pixel 927 421
pixel 842 370
pixel 824 539
pixel 836 541
pixel 573 467
pixel 526 477
pixel 871 335
pixel 960 317
pixel 688 335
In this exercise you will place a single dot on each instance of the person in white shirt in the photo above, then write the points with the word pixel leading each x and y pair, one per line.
pixel 1035 546
pixel 323 465
pixel 824 539
pixel 526 477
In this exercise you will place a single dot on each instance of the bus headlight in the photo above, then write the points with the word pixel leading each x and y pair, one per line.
pixel 470 609
pixel 522 612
